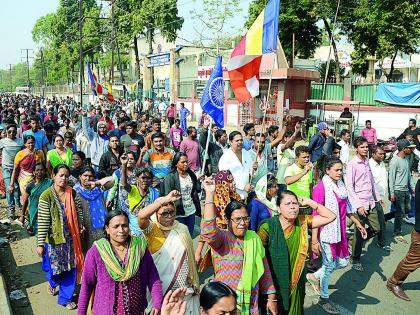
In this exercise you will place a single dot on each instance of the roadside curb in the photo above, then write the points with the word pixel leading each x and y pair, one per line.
pixel 4 299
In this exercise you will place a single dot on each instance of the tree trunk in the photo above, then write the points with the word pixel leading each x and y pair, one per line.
pixel 136 52
pixel 337 62
pixel 391 70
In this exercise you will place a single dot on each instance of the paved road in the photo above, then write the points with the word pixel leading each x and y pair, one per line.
pixel 353 292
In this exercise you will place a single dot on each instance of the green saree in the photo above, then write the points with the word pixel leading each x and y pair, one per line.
pixel 33 200
pixel 286 253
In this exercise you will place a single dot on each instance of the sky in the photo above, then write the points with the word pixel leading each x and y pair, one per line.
pixel 17 18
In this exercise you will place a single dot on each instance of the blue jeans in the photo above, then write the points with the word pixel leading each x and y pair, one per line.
pixel 189 221
pixel 12 199
pixel 329 265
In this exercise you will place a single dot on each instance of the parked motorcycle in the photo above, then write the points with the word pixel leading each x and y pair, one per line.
pixel 389 146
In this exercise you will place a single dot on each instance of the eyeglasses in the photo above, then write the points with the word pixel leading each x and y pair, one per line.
pixel 168 214
pixel 241 219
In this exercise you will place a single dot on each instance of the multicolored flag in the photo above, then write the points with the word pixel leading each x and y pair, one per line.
pixel 213 100
pixel 96 87
pixel 244 63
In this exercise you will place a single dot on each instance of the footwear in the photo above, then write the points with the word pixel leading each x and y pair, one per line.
pixel 386 248
pixel 401 239
pixel 327 306
pixel 358 266
pixel 411 220
pixel 314 282
pixel 71 306
pixel 397 291
pixel 52 291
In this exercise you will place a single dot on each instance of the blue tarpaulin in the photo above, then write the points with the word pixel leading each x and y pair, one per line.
pixel 398 93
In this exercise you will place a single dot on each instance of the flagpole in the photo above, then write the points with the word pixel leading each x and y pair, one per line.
pixel 207 147
pixel 264 112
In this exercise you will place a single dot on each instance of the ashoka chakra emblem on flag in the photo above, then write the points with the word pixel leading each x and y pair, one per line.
pixel 216 92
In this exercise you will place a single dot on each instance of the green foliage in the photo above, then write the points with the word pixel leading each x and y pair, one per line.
pixel 155 15
pixel 212 18
pixel 19 77
pixel 322 68
pixel 296 16
pixel 383 28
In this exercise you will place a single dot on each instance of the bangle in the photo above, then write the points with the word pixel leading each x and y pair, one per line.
pixel 314 243
pixel 272 300
pixel 208 202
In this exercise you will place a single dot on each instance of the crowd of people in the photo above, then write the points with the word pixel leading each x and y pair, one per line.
pixel 113 192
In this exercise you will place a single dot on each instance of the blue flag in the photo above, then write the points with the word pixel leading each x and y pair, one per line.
pixel 212 101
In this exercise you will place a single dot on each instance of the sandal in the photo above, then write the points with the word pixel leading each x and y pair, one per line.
pixel 401 239
pixel 328 307
pixel 314 282
pixel 358 267
pixel 71 306
pixel 52 291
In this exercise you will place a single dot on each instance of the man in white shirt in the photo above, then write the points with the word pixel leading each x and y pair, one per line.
pixel 239 162
pixel 380 176
pixel 345 148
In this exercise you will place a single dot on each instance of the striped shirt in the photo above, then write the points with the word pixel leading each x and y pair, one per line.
pixel 228 257
pixel 159 163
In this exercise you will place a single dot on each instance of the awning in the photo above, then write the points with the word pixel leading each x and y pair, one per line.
pixel 407 94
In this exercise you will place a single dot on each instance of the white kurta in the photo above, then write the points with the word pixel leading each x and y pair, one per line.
pixel 241 170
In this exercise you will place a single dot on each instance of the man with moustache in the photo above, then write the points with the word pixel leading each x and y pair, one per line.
pixel 191 147
pixel 239 162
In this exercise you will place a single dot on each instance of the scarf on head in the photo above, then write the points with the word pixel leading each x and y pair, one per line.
pixel 261 192
pixel 252 270
pixel 116 271
pixel 223 194
pixel 95 199
pixel 332 231
pixel 186 240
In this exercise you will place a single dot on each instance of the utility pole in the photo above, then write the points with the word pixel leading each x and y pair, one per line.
pixel 42 73
pixel 27 63
pixel 112 41
pixel 10 77
pixel 81 50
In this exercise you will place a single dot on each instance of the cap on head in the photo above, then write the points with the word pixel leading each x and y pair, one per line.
pixel 404 143
pixel 322 125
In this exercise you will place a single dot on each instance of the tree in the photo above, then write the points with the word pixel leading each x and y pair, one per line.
pixel 156 15
pixel 57 34
pixel 326 12
pixel 296 16
pixel 384 29
pixel 212 19
pixel 334 67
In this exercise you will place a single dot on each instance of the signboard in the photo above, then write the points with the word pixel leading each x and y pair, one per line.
pixel 159 60
pixel 204 72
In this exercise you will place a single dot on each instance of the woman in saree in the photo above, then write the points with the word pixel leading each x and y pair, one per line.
pixel 172 249
pixel 264 205
pixel 31 199
pixel 59 155
pixel 25 161
pixel 139 195
pixel 224 193
pixel 331 239
pixel 118 270
pixel 285 238
pixel 93 205
pixel 60 226
pixel 238 254
pixel 117 197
